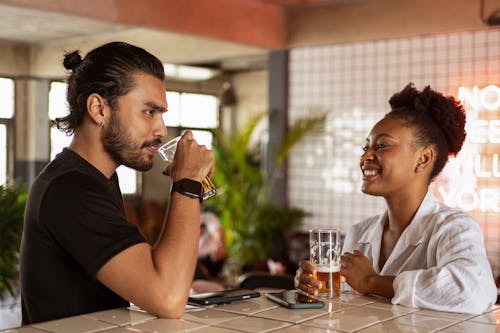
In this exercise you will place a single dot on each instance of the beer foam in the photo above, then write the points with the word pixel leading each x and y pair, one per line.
pixel 327 268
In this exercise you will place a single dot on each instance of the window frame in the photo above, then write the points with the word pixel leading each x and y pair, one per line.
pixel 10 137
pixel 9 124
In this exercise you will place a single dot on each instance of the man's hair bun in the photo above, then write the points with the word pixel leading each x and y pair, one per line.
pixel 72 60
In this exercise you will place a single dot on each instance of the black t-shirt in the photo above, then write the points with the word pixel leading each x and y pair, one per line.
pixel 74 224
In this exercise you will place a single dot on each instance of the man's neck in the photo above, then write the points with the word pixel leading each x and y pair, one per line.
pixel 89 147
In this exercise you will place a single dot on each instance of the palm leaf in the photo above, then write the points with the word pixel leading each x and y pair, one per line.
pixel 254 229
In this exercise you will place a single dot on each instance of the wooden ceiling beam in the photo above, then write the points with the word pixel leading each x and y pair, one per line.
pixel 247 22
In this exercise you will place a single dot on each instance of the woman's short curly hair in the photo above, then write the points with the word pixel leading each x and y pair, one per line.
pixel 106 70
pixel 438 120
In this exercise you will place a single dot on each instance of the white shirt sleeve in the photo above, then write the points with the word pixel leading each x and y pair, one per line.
pixel 458 277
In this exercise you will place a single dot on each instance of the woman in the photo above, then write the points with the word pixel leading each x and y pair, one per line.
pixel 419 253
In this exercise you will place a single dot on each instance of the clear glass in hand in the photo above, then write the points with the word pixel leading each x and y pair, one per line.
pixel 167 153
pixel 324 250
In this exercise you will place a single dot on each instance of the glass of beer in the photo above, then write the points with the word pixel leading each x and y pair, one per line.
pixel 324 250
pixel 167 153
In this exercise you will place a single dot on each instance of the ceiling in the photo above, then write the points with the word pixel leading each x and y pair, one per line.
pixel 34 26
pixel 229 34
pixel 38 22
pixel 240 43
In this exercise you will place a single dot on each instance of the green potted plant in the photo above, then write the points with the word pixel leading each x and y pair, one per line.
pixel 12 203
pixel 255 228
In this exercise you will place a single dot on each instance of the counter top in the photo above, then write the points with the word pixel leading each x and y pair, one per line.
pixel 348 313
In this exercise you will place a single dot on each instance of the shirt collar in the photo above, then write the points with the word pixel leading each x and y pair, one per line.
pixel 413 234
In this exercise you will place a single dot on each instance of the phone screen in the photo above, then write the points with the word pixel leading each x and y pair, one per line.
pixel 295 300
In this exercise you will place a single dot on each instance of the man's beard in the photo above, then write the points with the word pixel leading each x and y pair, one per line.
pixel 121 147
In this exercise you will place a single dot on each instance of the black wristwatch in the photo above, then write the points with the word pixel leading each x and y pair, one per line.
pixel 189 188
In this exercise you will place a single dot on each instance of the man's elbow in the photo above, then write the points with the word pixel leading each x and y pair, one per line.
pixel 171 308
pixel 171 311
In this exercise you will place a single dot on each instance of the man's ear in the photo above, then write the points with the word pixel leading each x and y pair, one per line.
pixel 425 160
pixel 97 109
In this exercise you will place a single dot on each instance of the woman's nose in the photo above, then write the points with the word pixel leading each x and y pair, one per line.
pixel 367 154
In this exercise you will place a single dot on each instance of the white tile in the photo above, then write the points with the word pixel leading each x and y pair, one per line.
pixel 303 329
pixel 352 319
pixel 472 327
pixel 248 307
pixel 210 316
pixel 355 299
pixel 24 329
pixel 214 329
pixel 488 318
pixel 120 316
pixel 389 306
pixel 166 325
pixel 121 329
pixel 441 314
pixel 76 324
pixel 429 322
pixel 291 315
pixel 253 324
pixel 392 327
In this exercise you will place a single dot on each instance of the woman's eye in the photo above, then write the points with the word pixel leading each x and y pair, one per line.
pixel 380 146
pixel 364 148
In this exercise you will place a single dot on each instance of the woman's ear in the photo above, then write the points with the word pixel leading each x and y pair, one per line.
pixel 96 107
pixel 425 160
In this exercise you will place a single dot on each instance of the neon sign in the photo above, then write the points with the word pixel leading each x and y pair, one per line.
pixel 471 181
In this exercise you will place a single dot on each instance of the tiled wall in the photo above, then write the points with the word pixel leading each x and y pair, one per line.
pixel 353 83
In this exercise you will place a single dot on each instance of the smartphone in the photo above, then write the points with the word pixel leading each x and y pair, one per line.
pixel 293 299
pixel 222 297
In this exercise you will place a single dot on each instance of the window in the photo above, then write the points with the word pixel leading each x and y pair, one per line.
pixel 3 154
pixel 197 112
pixel 58 107
pixel 7 96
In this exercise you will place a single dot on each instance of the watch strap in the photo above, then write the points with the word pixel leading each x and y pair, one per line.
pixel 189 188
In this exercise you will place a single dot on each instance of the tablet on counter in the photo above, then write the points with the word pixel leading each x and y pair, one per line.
pixel 222 297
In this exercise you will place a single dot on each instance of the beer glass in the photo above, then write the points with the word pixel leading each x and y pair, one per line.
pixel 324 250
pixel 167 153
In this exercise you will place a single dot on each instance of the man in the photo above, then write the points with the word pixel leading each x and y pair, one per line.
pixel 79 254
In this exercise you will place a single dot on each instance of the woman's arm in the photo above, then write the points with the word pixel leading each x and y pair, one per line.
pixel 458 277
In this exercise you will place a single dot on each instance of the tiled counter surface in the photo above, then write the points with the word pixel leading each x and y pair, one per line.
pixel 349 313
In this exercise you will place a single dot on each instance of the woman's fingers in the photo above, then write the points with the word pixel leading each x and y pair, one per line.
pixel 304 279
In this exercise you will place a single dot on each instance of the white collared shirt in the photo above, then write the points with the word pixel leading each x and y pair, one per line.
pixel 439 261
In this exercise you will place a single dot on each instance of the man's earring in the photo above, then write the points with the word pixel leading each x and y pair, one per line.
pixel 101 124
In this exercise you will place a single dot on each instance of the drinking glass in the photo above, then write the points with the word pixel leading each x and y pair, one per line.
pixel 324 250
pixel 167 153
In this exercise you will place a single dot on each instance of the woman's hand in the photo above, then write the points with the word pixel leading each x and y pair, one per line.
pixel 360 275
pixel 304 279
pixel 357 271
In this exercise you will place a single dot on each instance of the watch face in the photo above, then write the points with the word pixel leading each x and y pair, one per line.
pixel 191 186
pixel 188 187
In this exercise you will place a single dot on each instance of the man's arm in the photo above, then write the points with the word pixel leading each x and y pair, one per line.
pixel 159 280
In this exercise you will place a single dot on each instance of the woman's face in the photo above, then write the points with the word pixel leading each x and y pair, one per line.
pixel 389 160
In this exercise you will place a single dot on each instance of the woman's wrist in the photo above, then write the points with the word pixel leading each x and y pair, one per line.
pixel 380 285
